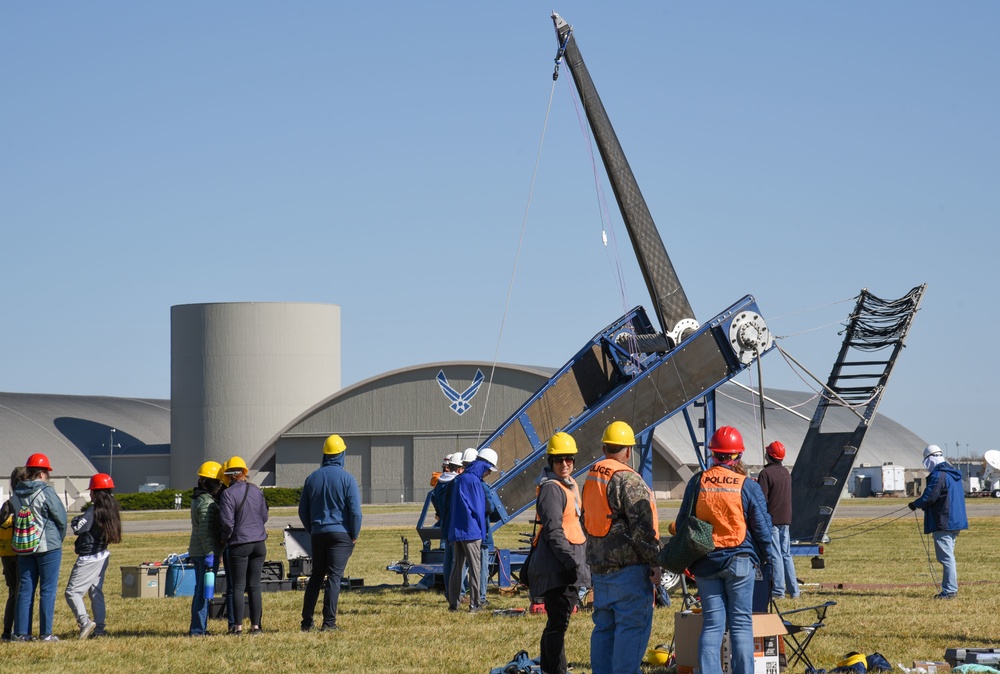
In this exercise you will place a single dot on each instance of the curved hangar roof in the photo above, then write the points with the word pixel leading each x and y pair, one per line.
pixel 413 396
pixel 70 430
pixel 885 441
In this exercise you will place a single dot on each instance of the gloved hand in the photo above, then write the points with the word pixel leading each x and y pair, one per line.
pixel 210 560
pixel 912 505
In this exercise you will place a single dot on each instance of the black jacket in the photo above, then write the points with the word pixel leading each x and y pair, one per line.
pixel 90 539
pixel 776 483
pixel 555 562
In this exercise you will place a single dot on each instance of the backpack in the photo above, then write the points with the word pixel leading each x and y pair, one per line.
pixel 27 534
pixel 6 535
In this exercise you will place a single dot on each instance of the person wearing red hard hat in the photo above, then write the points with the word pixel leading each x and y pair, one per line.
pixel 776 483
pixel 741 532
pixel 38 542
pixel 96 528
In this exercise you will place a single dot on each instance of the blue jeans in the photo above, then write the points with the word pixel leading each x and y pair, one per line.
pixel 623 619
pixel 199 605
pixel 37 571
pixel 944 550
pixel 782 568
pixel 727 601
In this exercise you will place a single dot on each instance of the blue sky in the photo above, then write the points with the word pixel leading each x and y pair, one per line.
pixel 154 154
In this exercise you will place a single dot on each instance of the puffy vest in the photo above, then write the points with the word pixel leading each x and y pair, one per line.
pixel 720 501
pixel 597 515
pixel 6 534
pixel 571 515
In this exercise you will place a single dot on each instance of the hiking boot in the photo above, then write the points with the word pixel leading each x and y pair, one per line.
pixel 87 628
pixel 49 637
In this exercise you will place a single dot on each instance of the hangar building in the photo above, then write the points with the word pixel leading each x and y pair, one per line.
pixel 262 380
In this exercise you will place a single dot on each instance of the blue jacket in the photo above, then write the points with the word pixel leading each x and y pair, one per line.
pixel 467 505
pixel 943 500
pixel 757 541
pixel 330 500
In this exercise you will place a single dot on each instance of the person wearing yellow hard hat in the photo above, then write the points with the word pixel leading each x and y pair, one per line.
pixel 205 544
pixel 741 533
pixel 558 565
pixel 623 540
pixel 330 511
pixel 243 520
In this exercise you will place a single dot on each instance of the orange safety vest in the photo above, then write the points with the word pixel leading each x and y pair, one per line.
pixel 571 515
pixel 720 501
pixel 597 515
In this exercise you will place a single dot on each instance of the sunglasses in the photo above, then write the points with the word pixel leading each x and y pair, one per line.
pixel 564 459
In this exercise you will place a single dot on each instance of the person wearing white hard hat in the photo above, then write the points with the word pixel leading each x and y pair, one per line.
pixel 943 503
pixel 490 456
pixel 468 527
pixel 439 499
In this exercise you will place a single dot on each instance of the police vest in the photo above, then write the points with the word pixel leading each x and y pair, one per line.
pixel 571 515
pixel 720 501
pixel 597 515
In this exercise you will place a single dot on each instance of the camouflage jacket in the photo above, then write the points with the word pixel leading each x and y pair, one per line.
pixel 633 538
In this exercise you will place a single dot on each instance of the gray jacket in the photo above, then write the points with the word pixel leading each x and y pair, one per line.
pixel 49 512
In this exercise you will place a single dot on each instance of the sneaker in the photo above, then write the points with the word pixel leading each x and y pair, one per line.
pixel 22 637
pixel 49 637
pixel 329 628
pixel 475 609
pixel 307 628
pixel 87 628
pixel 254 631
pixel 6 637
pixel 946 595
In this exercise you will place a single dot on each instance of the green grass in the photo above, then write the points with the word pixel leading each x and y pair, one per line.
pixel 389 629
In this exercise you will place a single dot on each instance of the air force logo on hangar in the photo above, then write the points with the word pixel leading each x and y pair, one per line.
pixel 460 401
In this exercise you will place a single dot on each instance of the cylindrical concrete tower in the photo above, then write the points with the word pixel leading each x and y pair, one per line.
pixel 240 372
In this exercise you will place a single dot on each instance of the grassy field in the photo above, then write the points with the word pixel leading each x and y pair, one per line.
pixel 390 629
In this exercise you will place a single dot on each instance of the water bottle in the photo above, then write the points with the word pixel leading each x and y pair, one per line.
pixel 209 583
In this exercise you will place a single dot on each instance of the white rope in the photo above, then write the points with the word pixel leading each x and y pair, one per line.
pixel 513 273
pixel 822 306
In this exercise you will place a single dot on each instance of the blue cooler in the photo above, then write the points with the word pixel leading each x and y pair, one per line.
pixel 180 580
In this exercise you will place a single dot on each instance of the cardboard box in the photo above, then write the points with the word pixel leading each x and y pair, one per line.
pixel 146 581
pixel 932 667
pixel 768 644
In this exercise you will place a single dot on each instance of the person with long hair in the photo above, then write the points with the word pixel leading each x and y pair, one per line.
pixel 97 527
pixel 243 516
pixel 8 557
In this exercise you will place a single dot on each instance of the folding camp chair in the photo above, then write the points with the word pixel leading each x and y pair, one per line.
pixel 800 635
